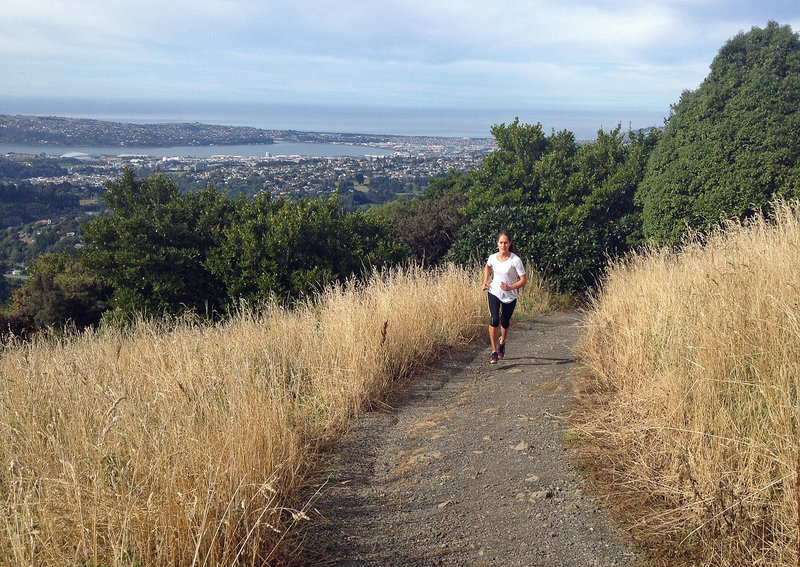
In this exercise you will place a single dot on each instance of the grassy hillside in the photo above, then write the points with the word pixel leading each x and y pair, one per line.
pixel 189 443
pixel 690 403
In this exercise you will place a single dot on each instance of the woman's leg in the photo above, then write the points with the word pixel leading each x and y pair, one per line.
pixel 494 336
pixel 494 324
pixel 506 312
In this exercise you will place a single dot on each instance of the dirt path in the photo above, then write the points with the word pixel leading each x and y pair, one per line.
pixel 469 468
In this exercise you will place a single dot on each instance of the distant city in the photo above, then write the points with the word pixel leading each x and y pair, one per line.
pixel 283 176
pixel 301 173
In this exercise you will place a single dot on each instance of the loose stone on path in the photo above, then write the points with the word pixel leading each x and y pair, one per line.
pixel 469 469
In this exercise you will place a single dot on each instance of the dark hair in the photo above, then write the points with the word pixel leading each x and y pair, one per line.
pixel 506 234
pixel 510 240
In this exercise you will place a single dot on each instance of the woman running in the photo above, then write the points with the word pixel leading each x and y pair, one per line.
pixel 509 276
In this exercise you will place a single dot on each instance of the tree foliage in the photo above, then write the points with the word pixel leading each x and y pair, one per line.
pixel 154 249
pixel 164 252
pixel 289 248
pixel 428 225
pixel 60 291
pixel 568 206
pixel 733 143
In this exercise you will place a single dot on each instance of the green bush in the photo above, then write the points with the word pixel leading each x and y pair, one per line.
pixel 732 144
pixel 154 249
pixel 59 291
pixel 569 207
pixel 167 252
pixel 290 248
pixel 428 225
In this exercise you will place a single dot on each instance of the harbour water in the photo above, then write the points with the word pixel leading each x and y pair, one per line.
pixel 245 150
pixel 444 122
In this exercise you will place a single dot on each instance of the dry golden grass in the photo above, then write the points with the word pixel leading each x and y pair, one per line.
pixel 692 368
pixel 187 443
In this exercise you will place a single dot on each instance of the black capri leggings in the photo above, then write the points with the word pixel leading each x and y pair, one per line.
pixel 501 312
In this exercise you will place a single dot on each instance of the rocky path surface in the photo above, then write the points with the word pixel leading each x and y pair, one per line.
pixel 469 468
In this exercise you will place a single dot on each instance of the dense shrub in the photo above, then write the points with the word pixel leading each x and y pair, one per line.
pixel 732 144
pixel 60 291
pixel 163 251
pixel 569 207
pixel 428 225
pixel 153 250
pixel 290 248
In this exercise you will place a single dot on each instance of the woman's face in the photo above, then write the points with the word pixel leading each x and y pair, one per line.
pixel 503 244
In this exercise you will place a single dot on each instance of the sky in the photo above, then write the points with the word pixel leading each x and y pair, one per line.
pixel 562 56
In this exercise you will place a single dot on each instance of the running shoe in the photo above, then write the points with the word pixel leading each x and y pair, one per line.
pixel 501 350
pixel 494 358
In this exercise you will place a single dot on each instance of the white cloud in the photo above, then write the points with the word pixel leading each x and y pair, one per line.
pixel 414 52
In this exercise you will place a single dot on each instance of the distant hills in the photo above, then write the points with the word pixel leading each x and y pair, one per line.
pixel 50 130
pixel 59 131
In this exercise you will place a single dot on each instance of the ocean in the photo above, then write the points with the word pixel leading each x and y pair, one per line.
pixel 454 122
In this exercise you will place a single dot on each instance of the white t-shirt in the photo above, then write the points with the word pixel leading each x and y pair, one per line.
pixel 508 271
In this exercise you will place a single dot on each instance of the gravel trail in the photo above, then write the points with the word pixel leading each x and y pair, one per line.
pixel 468 468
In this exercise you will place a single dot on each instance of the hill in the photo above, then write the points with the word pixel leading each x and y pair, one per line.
pixel 60 131
pixel 51 130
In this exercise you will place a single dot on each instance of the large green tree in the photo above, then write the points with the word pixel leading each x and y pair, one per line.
pixel 733 143
pixel 429 224
pixel 59 291
pixel 163 251
pixel 285 248
pixel 569 207
pixel 154 249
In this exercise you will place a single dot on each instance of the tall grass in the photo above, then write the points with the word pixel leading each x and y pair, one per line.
pixel 187 443
pixel 690 395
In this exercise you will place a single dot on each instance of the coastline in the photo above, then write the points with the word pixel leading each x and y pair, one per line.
pixel 366 120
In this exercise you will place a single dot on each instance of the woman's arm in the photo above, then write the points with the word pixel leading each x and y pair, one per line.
pixel 487 271
pixel 523 279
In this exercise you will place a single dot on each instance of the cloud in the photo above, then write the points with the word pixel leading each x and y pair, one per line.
pixel 414 52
